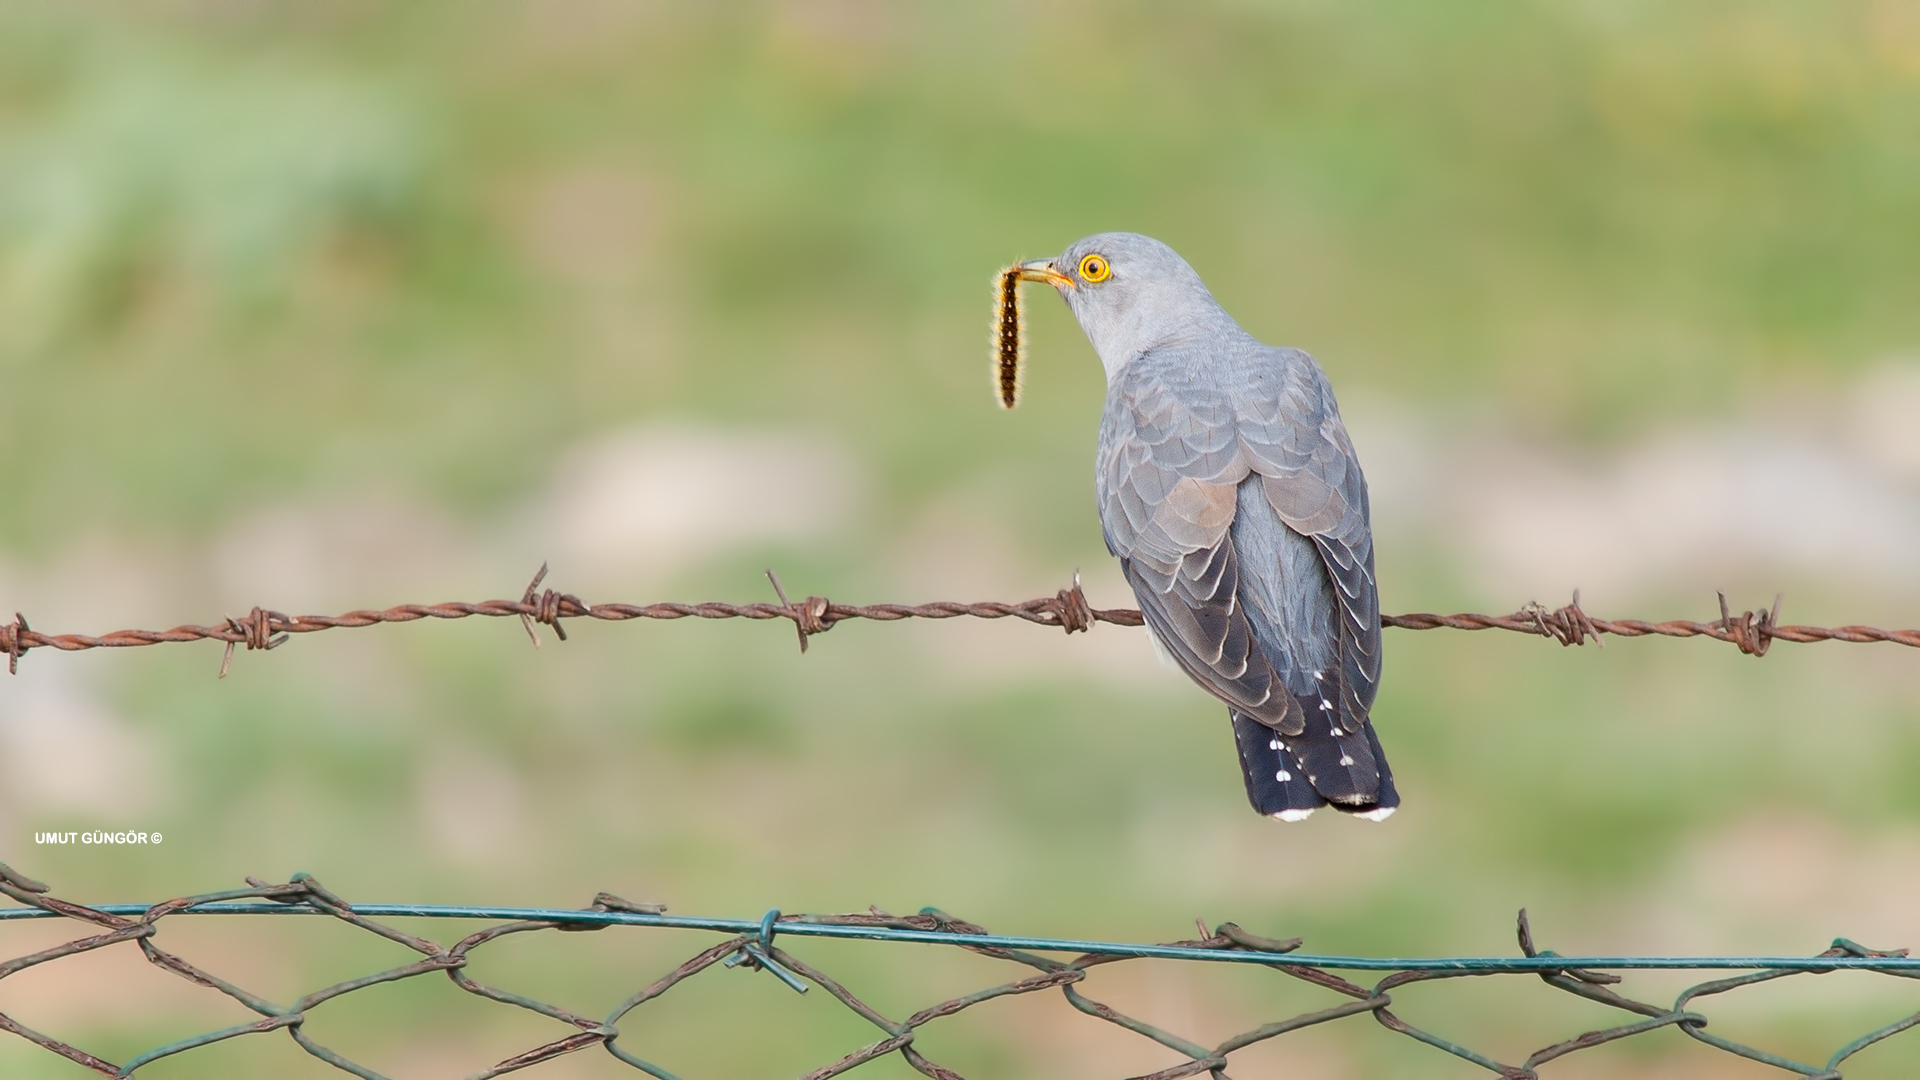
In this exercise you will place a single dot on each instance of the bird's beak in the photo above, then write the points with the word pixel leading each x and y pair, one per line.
pixel 1042 270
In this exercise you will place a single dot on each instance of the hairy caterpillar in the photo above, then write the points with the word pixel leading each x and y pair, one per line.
pixel 1009 348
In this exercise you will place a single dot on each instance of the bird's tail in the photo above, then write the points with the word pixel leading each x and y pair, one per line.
pixel 1290 776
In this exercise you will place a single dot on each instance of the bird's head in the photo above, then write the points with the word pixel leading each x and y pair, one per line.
pixel 1130 293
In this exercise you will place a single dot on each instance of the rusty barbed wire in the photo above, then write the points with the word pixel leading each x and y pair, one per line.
pixel 1752 632
pixel 752 945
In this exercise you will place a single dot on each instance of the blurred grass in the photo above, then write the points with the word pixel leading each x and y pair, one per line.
pixel 251 253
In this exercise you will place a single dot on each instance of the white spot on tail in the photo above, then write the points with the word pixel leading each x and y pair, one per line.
pixel 1295 815
pixel 1325 705
pixel 1283 776
pixel 1346 759
pixel 1274 744
pixel 1320 675
pixel 1381 814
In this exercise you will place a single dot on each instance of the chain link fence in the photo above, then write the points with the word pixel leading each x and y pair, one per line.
pixel 1041 965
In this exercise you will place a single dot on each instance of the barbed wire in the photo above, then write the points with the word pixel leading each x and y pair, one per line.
pixel 1753 632
pixel 751 944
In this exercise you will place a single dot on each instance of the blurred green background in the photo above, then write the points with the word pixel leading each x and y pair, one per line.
pixel 321 306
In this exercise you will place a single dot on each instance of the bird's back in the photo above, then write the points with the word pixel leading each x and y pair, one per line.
pixel 1192 409
pixel 1256 430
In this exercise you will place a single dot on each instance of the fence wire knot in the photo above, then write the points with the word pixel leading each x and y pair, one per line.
pixel 809 617
pixel 1568 625
pixel 1752 631
pixel 547 607
pixel 1076 614
pixel 256 631
pixel 12 641
pixel 756 953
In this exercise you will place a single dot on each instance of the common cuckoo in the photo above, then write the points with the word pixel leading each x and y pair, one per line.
pixel 1231 494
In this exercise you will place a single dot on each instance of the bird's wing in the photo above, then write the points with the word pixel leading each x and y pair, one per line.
pixel 1167 477
pixel 1291 434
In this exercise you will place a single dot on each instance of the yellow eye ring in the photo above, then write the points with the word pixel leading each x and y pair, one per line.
pixel 1095 269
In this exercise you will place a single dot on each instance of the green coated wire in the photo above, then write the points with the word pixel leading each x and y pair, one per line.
pixel 801 928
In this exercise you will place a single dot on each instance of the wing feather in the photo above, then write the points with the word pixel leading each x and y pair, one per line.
pixel 1174 451
pixel 1312 479
pixel 1169 469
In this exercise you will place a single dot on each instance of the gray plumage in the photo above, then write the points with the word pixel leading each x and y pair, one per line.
pixel 1232 496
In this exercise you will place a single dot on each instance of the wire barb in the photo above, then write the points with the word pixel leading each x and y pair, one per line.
pixel 1752 632
pixel 1568 625
pixel 1076 615
pixel 13 641
pixel 547 607
pixel 256 631
pixel 809 618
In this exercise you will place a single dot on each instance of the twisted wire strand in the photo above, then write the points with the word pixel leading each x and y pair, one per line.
pixel 1753 632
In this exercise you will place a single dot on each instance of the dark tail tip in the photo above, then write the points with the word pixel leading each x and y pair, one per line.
pixel 1289 776
pixel 1275 785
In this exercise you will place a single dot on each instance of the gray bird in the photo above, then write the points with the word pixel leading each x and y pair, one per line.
pixel 1231 494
